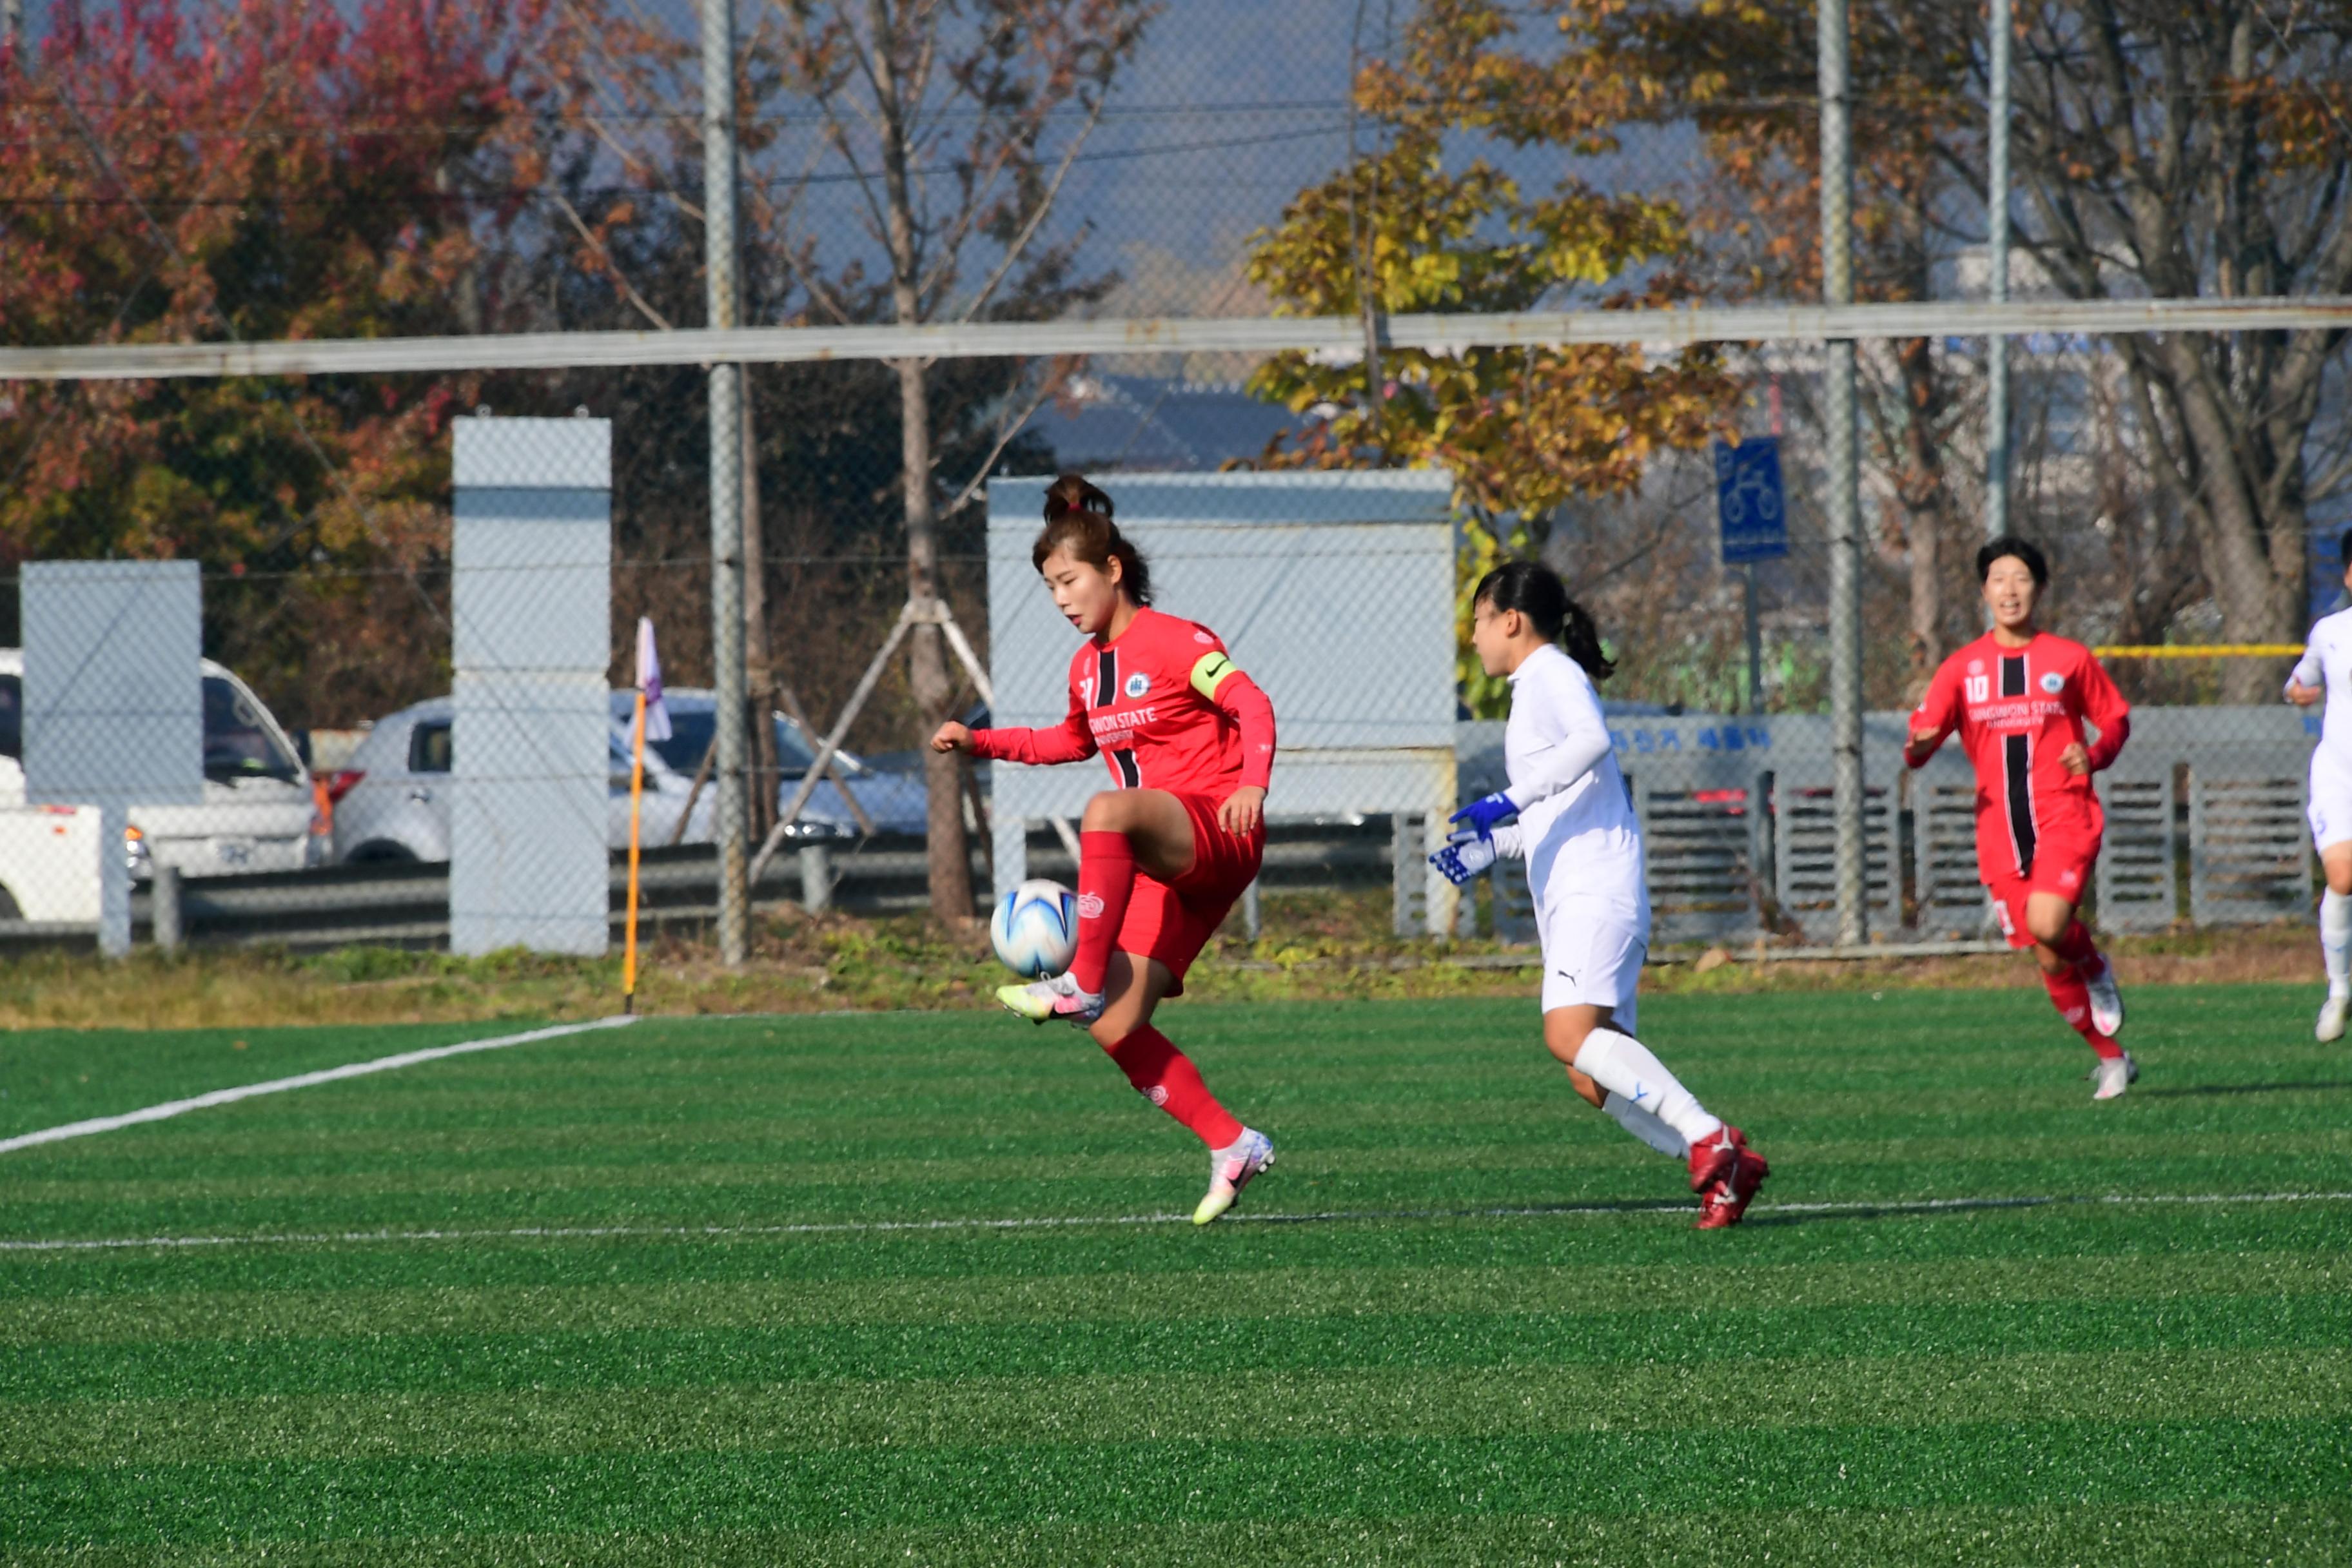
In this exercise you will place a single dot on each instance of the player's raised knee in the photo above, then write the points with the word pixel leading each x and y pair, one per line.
pixel 1111 811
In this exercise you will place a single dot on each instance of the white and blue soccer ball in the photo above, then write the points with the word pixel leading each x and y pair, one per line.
pixel 1035 929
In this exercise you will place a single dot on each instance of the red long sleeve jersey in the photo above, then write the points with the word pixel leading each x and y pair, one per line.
pixel 1165 705
pixel 2016 711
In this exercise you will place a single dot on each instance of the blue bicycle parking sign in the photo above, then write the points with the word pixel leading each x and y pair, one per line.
pixel 1749 503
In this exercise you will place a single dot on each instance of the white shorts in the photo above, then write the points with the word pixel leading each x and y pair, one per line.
pixel 2330 812
pixel 1592 951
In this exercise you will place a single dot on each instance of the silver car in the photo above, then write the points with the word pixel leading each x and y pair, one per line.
pixel 390 800
pixel 892 801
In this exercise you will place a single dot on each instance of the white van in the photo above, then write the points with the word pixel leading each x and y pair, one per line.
pixel 259 812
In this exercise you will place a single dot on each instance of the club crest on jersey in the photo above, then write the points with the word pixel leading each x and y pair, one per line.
pixel 1975 666
pixel 1137 684
pixel 2054 683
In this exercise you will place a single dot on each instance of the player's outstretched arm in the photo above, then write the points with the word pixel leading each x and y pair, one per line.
pixel 1070 740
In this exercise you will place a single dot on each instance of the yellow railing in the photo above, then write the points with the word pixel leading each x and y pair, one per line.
pixel 2203 650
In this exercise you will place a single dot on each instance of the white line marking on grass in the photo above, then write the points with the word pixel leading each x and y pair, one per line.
pixel 1073 1222
pixel 170 1108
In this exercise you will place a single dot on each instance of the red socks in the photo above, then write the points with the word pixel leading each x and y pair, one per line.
pixel 1160 1072
pixel 2072 1000
pixel 1106 878
pixel 2075 946
pixel 1166 1077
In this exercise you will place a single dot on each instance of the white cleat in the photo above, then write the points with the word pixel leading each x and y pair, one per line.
pixel 1230 1169
pixel 2106 1001
pixel 2114 1074
pixel 2331 1016
pixel 1058 997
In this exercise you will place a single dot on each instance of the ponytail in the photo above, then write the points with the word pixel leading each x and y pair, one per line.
pixel 1536 590
pixel 1078 520
pixel 1071 492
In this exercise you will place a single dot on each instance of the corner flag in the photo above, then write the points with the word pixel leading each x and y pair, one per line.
pixel 650 681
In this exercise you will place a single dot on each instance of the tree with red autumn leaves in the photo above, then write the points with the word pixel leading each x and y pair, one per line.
pixel 267 170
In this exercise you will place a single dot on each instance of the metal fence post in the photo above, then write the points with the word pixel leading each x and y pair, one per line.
pixel 726 479
pixel 1844 500
pixel 1996 276
pixel 816 878
pixel 165 910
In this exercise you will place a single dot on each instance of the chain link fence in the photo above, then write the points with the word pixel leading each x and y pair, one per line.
pixel 188 174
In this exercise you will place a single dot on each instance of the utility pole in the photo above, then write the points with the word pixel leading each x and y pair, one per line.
pixel 1844 481
pixel 718 247
pixel 1997 276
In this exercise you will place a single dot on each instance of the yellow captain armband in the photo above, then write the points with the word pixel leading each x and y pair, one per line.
pixel 1212 672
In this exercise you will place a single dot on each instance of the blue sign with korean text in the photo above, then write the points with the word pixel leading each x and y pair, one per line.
pixel 1748 501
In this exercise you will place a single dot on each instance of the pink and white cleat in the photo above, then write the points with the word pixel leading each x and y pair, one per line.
pixel 2107 999
pixel 1058 997
pixel 1230 1169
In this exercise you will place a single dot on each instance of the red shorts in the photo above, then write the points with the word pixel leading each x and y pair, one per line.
pixel 2061 865
pixel 1172 922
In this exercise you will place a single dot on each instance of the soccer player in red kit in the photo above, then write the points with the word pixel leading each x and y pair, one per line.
pixel 1165 852
pixel 2019 698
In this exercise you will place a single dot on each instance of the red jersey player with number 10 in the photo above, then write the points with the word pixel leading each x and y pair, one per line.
pixel 2018 698
pixel 1168 850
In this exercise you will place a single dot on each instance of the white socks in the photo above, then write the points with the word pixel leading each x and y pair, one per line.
pixel 2336 941
pixel 1646 1127
pixel 1623 1066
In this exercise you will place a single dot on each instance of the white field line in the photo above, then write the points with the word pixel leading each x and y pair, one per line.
pixel 1072 1222
pixel 170 1108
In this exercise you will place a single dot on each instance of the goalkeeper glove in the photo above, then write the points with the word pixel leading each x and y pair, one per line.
pixel 1465 856
pixel 1481 815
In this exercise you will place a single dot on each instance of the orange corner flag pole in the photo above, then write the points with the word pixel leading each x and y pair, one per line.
pixel 636 808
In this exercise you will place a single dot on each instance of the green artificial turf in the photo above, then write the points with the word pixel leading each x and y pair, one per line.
pixel 734 1291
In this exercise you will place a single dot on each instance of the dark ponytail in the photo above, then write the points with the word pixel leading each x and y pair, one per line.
pixel 1536 590
pixel 1077 518
pixel 1071 492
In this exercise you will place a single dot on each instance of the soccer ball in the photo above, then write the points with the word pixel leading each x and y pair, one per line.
pixel 1036 929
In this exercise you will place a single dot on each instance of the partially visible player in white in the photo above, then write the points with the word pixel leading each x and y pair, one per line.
pixel 2325 668
pixel 1567 815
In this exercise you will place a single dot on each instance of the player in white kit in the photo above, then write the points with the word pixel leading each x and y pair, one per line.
pixel 1566 813
pixel 2326 667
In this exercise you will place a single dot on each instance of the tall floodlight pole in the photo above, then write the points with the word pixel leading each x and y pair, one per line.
pixel 1996 276
pixel 1845 488
pixel 719 248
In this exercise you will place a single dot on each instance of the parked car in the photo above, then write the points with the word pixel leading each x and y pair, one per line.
pixel 259 811
pixel 392 799
pixel 892 801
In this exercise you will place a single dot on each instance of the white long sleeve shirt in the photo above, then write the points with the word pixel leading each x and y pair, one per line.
pixel 2327 660
pixel 1576 826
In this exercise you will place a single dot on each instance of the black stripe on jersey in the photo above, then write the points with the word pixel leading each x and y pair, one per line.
pixel 2017 769
pixel 1129 775
pixel 2017 774
pixel 1105 678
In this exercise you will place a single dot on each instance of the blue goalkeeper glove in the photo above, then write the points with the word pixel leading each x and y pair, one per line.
pixel 1483 816
pixel 1465 856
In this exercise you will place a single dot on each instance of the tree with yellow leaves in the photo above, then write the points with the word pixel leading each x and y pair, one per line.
pixel 1408 230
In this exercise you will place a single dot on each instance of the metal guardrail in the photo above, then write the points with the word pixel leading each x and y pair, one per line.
pixel 407 905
